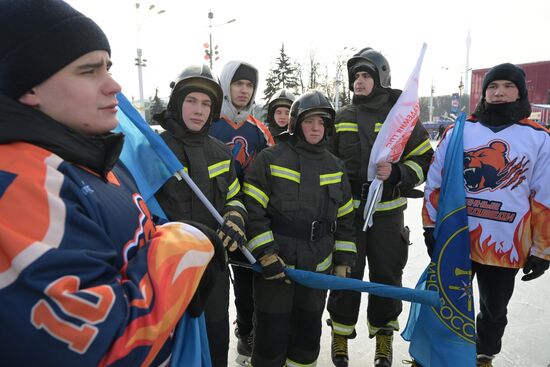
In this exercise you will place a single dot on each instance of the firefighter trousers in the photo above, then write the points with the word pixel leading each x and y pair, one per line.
pixel 216 315
pixel 287 323
pixel 385 246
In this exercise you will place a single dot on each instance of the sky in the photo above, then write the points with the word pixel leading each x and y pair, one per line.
pixel 500 30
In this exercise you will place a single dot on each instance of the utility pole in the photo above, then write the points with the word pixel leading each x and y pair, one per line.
pixel 467 67
pixel 431 106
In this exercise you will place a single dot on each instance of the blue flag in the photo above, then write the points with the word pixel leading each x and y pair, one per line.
pixel 445 336
pixel 152 163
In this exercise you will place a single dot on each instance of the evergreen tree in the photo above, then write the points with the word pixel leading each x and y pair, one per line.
pixel 156 105
pixel 283 75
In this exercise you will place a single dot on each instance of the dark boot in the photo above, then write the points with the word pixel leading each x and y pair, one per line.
pixel 245 343
pixel 339 350
pixel 384 348
pixel 484 360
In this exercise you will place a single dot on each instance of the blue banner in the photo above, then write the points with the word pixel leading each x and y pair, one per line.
pixel 445 336
pixel 152 163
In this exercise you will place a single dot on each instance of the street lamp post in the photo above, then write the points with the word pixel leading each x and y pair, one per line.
pixel 140 61
pixel 211 50
pixel 432 90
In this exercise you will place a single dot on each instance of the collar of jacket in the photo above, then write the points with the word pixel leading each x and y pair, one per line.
pixel 20 123
pixel 178 130
pixel 305 149
pixel 379 97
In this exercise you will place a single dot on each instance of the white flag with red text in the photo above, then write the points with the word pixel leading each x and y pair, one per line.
pixel 393 136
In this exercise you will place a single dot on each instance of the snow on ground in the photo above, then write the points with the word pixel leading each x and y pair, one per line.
pixel 526 341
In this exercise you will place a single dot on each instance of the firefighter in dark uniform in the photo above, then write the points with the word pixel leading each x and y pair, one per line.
pixel 194 102
pixel 301 216
pixel 278 112
pixel 385 244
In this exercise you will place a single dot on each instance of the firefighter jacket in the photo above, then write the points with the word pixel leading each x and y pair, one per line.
pixel 356 128
pixel 209 164
pixel 300 206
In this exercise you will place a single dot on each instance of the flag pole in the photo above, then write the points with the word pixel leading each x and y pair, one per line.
pixel 182 174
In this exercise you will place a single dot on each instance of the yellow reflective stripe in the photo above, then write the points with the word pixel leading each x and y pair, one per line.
pixel 356 204
pixel 233 189
pixel 347 246
pixel 325 264
pixel 291 363
pixel 331 178
pixel 345 209
pixel 417 169
pixel 421 149
pixel 285 173
pixel 260 240
pixel 236 203
pixel 377 127
pixel 218 168
pixel 256 193
pixel 346 126
pixel 392 204
pixel 373 330
pixel 342 329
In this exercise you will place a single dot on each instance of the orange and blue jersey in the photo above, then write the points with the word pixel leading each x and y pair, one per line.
pixel 507 193
pixel 245 139
pixel 86 278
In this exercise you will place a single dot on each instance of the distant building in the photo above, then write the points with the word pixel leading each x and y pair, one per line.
pixel 537 78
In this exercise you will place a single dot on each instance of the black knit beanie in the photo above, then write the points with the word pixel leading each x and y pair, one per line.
pixel 245 72
pixel 40 37
pixel 509 72
pixel 363 65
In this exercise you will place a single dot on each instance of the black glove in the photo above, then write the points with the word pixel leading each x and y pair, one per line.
pixel 273 268
pixel 231 232
pixel 217 265
pixel 534 267
pixel 429 239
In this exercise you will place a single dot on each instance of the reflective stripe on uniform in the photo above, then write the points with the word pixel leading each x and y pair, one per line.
pixel 331 178
pixel 233 189
pixel 392 204
pixel 260 240
pixel 291 363
pixel 384 205
pixel 417 169
pixel 325 264
pixel 421 149
pixel 256 193
pixel 218 168
pixel 347 246
pixel 345 209
pixel 377 127
pixel 285 173
pixel 236 203
pixel 342 329
pixel 346 126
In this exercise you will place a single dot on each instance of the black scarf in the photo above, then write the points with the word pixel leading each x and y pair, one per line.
pixel 502 113
pixel 177 128
pixel 20 123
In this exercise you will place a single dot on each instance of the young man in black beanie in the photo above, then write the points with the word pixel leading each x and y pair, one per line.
pixel 195 101
pixel 246 136
pixel 385 245
pixel 506 159
pixel 86 278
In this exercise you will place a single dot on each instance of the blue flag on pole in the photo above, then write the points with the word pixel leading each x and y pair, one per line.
pixel 152 163
pixel 445 336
